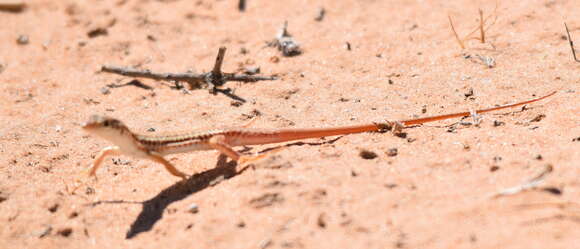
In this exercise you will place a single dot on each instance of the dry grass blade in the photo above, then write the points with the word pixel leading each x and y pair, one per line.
pixel 455 33
pixel 530 184
pixel 571 43
pixel 482 27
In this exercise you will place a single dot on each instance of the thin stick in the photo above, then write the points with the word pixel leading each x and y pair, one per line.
pixel 455 33
pixel 217 67
pixel 571 43
pixel 528 185
pixel 484 23
pixel 214 78
pixel 241 5
pixel 481 26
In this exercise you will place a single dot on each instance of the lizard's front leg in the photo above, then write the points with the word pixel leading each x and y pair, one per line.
pixel 107 151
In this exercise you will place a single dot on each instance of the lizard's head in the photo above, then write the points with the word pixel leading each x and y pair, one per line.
pixel 106 127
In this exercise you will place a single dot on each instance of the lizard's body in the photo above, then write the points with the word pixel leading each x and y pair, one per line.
pixel 155 147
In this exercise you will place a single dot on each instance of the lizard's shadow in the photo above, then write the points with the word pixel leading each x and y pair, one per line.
pixel 153 208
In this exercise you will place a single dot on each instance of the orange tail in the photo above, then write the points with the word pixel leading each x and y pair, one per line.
pixel 465 114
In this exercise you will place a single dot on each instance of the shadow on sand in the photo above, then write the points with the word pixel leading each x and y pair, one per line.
pixel 153 209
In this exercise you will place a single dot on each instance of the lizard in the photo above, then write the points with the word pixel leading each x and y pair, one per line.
pixel 156 147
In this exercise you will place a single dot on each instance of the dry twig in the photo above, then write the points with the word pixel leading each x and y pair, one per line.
pixel 528 185
pixel 212 80
pixel 242 5
pixel 12 5
pixel 482 27
pixel 571 43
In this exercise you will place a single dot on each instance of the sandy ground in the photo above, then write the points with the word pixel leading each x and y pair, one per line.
pixel 403 62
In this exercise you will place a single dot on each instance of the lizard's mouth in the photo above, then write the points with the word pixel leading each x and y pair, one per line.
pixel 93 122
pixel 88 126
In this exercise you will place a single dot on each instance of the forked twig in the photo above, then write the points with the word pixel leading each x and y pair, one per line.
pixel 211 80
pixel 571 43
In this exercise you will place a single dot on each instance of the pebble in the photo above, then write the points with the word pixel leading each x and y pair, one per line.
pixel 193 208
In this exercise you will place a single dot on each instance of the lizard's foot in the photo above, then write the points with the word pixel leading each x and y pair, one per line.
pixel 82 178
pixel 244 160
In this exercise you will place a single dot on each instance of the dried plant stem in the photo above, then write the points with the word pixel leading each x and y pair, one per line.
pixel 571 43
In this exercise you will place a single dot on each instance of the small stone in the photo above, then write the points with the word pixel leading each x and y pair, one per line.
pixel 53 208
pixel 265 243
pixel 236 103
pixel 392 152
pixel 538 118
pixel 553 190
pixel 193 208
pixel 45 232
pixel 321 220
pixel 22 40
pixel 497 123
pixel 251 70
pixel 65 232
pixel 320 16
pixel 367 154
pixel 89 191
pixel 469 93
pixel 97 32
pixel 73 215
pixel 452 129
pixel 105 90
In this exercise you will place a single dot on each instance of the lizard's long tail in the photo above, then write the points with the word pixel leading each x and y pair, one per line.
pixel 465 114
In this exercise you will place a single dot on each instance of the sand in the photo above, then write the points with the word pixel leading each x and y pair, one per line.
pixel 433 189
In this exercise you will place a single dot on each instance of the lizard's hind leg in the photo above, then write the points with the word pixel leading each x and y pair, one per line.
pixel 219 144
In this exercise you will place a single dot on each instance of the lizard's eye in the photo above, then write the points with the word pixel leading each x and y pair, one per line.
pixel 106 123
